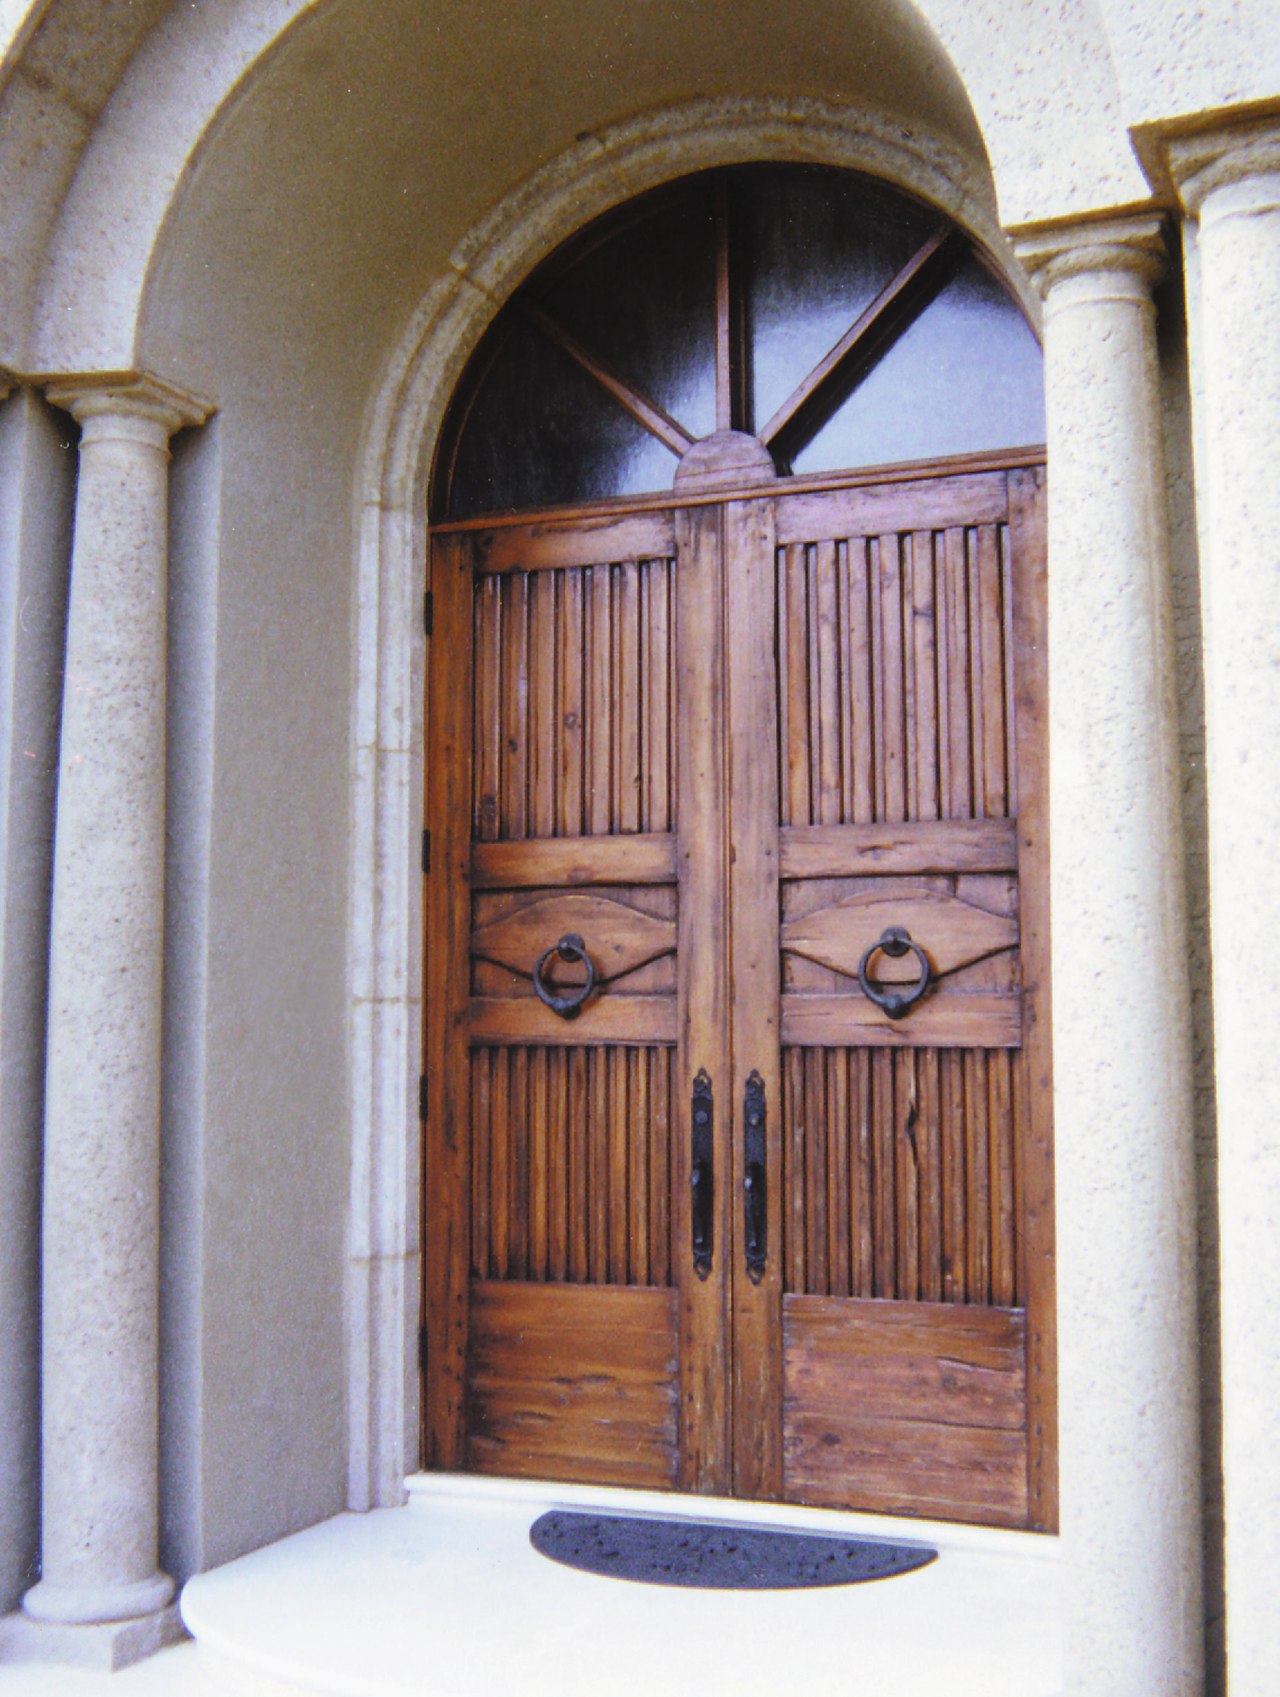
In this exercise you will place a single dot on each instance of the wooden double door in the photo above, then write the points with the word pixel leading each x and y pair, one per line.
pixel 737 1222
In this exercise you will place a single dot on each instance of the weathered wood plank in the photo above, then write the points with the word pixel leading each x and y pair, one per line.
pixel 943 1021
pixel 573 1382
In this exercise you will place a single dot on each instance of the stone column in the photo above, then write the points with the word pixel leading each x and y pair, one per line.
pixel 1125 1209
pixel 1230 181
pixel 101 1161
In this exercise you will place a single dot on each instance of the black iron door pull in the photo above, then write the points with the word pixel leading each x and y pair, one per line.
pixel 701 1174
pixel 755 1196
pixel 565 1002
pixel 895 942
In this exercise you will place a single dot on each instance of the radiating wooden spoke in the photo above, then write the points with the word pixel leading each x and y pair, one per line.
pixel 644 411
pixel 731 355
pixel 857 339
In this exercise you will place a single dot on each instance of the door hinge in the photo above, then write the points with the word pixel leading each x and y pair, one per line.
pixel 429 613
pixel 426 851
pixel 422 1098
pixel 422 1348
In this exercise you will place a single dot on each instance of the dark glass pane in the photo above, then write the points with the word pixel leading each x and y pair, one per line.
pixel 820 246
pixel 644 302
pixel 964 377
pixel 542 432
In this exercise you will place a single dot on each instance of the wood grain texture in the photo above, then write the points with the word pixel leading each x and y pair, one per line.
pixel 446 1138
pixel 574 1383
pixel 919 845
pixel 914 1408
pixel 703 993
pixel 880 1149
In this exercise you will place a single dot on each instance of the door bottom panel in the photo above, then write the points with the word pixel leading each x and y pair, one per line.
pixel 905 1408
pixel 574 1382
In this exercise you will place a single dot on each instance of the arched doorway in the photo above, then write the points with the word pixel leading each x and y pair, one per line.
pixel 737 1153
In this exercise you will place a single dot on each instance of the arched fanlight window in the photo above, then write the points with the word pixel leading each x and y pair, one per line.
pixel 836 320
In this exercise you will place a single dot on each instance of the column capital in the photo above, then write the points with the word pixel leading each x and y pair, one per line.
pixel 1235 154
pixel 1132 246
pixel 135 395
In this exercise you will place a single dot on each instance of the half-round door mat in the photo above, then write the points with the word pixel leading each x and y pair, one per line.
pixel 715 1556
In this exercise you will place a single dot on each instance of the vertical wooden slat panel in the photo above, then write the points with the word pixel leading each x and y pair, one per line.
pixel 599 776
pixel 907 557
pixel 815 1174
pixel 861 679
pixel 906 1172
pixel 598 1164
pixel 487 733
pixel 925 798
pixel 895 791
pixel 482 1134
pixel 657 718
pixel 500 1163
pixel 1004 1283
pixel 571 820
pixel 928 1162
pixel 875 577
pixel 794 1169
pixel 987 589
pixel 515 706
pixel 618 1139
pixel 862 1177
pixel 660 1063
pixel 960 799
pixel 539 1164
pixel 826 686
pixel 977 680
pixel 544 758
pixel 797 807
pixel 883 1165
pixel 626 701
pixel 579 1166
pixel 978 1172
pixel 638 1183
pixel 519 1131
pixel 844 729
pixel 954 1257
pixel 839 1216
pixel 559 1134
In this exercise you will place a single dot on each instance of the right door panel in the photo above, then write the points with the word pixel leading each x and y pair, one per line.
pixel 910 1283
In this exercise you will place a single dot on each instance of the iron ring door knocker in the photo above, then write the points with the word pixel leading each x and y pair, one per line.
pixel 894 942
pixel 566 1003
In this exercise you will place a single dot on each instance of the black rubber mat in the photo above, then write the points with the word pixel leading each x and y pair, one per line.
pixel 715 1556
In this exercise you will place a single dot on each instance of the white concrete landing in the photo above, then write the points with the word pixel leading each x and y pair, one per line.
pixel 446 1598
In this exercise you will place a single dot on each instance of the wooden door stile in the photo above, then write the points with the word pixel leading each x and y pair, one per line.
pixel 703 992
pixel 754 971
pixel 447 1063
pixel 1034 1077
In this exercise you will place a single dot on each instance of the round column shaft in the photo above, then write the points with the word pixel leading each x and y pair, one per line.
pixel 101 1160
pixel 1122 1120
pixel 1231 181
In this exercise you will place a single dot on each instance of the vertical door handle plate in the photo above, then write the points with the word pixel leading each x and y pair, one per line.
pixel 755 1195
pixel 702 1175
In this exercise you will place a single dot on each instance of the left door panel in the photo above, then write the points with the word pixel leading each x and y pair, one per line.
pixel 556 1175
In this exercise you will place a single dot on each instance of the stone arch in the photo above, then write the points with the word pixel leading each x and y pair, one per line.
pixel 1044 91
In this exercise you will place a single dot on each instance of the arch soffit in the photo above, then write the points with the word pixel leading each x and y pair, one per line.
pixel 1040 80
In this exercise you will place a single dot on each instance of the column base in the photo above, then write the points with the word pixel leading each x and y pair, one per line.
pixel 105 1648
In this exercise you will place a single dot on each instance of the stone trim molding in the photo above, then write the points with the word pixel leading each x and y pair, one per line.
pixel 1114 248
pixel 128 395
pixel 402 424
pixel 1240 157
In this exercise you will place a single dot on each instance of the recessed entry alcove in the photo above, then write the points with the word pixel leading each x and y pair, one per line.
pixel 737 1149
